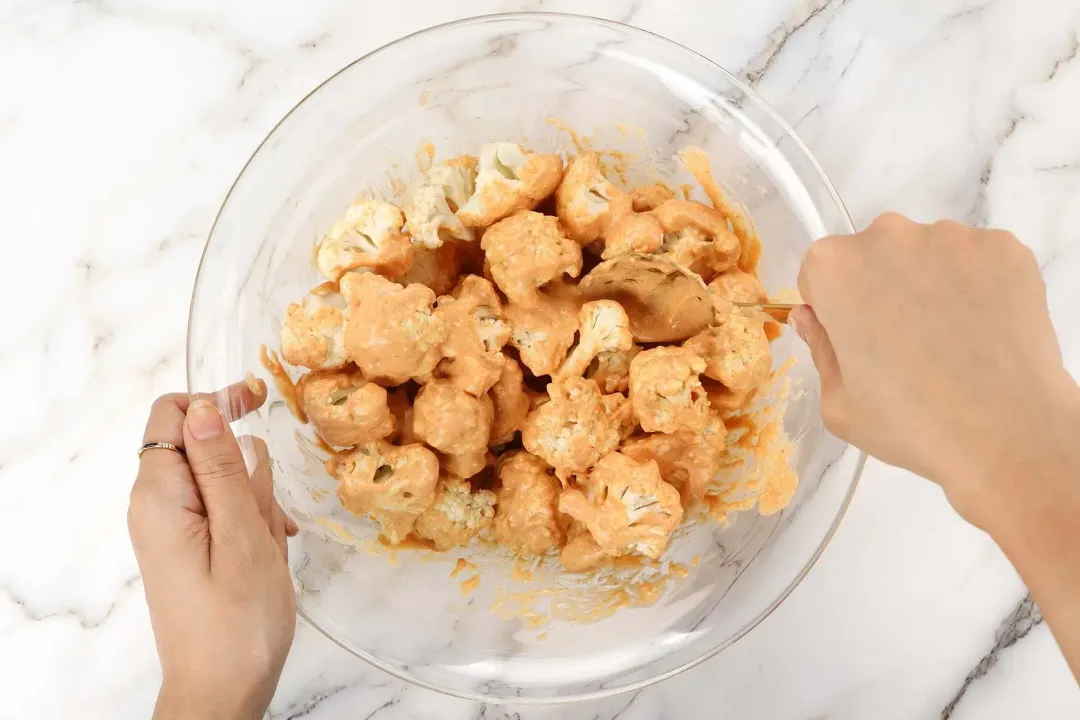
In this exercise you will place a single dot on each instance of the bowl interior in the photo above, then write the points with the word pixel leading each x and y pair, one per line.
pixel 456 87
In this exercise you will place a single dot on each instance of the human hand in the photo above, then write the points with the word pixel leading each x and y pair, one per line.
pixel 937 354
pixel 210 542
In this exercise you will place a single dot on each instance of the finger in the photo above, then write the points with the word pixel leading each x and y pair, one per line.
pixel 261 480
pixel 291 528
pixel 222 477
pixel 806 325
pixel 238 399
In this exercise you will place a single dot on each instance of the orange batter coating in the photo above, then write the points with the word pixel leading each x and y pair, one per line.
pixel 626 506
pixel 633 233
pixel 650 197
pixel 697 236
pixel 544 335
pixel 345 409
pixel 611 369
pixel 392 334
pixel 666 392
pixel 686 460
pixel 476 333
pixel 526 515
pixel 394 485
pixel 738 286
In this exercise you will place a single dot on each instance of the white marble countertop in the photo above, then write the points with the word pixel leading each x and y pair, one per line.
pixel 122 125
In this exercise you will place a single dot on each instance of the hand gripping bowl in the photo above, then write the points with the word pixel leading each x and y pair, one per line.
pixel 459 85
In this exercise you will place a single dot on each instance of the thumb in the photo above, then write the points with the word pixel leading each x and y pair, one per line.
pixel 806 325
pixel 220 474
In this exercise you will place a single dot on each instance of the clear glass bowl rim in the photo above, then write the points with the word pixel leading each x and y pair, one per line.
pixel 790 133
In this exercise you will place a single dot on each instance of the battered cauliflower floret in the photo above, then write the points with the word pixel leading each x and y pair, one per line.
pixel 587 202
pixel 451 420
pixel 510 179
pixel 736 353
pixel 543 335
pixel 633 233
pixel 611 370
pixel 392 334
pixel 456 515
pixel 628 508
pixel 738 286
pixel 666 392
pixel 574 428
pixel 431 205
pixel 437 269
pixel 650 197
pixel 477 333
pixel 345 409
pixel 394 485
pixel 686 461
pixel 697 237
pixel 604 328
pixel 525 252
pixel 313 335
pixel 369 236
pixel 526 516
pixel 509 400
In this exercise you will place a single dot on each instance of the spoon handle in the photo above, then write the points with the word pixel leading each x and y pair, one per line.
pixel 777 311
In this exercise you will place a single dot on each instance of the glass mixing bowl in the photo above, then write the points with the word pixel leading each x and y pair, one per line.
pixel 457 86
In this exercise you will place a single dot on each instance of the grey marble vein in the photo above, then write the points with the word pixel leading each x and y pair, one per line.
pixel 1021 621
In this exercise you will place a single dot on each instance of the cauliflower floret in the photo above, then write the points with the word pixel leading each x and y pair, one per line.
pixel 437 269
pixel 451 420
pixel 650 197
pixel 477 333
pixel 736 353
pixel 431 205
pixel 628 508
pixel 369 236
pixel 510 179
pixel 313 335
pixel 735 285
pixel 573 429
pixel 621 413
pixel 587 202
pixel 697 237
pixel 543 335
pixel 395 485
pixel 611 370
pixel 509 400
pixel 392 333
pixel 633 233
pixel 604 328
pixel 456 515
pixel 666 392
pixel 526 251
pixel 526 518
pixel 581 551
pixel 345 409
pixel 686 461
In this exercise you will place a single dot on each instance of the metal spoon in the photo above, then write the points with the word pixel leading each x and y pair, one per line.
pixel 664 301
pixel 776 311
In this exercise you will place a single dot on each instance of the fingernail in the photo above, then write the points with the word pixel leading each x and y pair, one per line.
pixel 204 421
